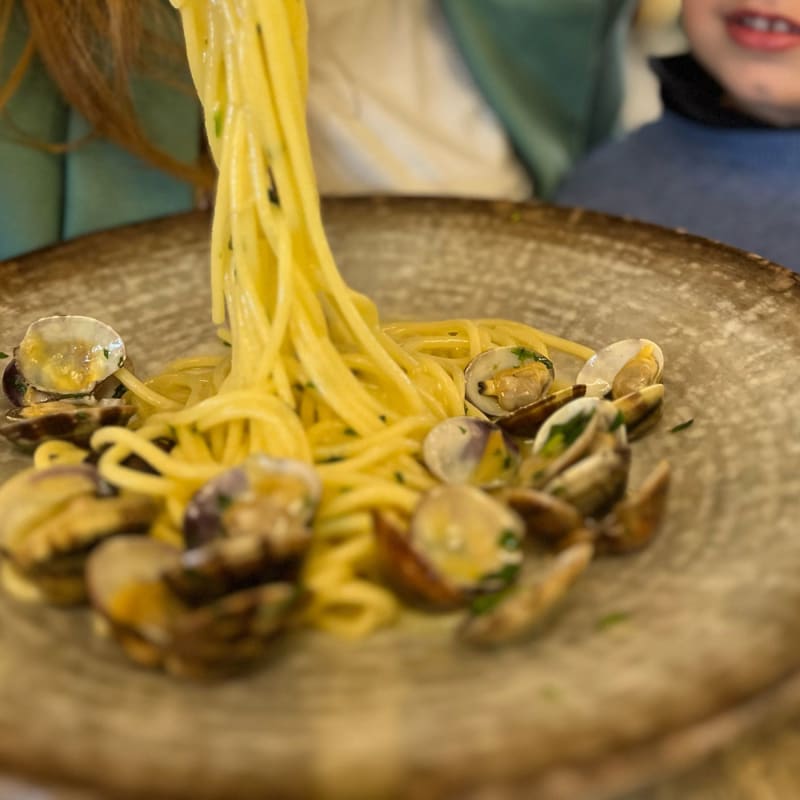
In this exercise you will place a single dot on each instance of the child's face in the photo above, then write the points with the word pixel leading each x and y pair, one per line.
pixel 752 47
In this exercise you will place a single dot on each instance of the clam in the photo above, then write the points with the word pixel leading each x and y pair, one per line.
pixel 470 450
pixel 548 519
pixel 622 367
pixel 156 628
pixel 563 438
pixel 526 420
pixel 503 379
pixel 50 519
pixel 593 484
pixel 634 521
pixel 15 387
pixel 641 409
pixel 272 498
pixel 249 524
pixel 521 609
pixel 29 426
pixel 68 355
pixel 460 541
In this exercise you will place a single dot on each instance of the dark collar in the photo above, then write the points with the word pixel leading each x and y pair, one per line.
pixel 688 90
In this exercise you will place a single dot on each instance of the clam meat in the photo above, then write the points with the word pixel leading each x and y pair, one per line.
pixel 68 355
pixel 503 379
pixel 622 367
pixel 459 542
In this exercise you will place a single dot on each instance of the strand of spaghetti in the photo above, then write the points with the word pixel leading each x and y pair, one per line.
pixel 132 479
pixel 193 33
pixel 143 392
pixel 341 389
pixel 354 609
pixel 284 305
pixel 166 465
pixel 381 494
pixel 191 446
pixel 353 445
pixel 357 552
pixel 357 523
pixel 58 452
pixel 339 472
pixel 292 120
pixel 251 328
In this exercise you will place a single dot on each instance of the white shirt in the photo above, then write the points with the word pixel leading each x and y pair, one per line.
pixel 393 109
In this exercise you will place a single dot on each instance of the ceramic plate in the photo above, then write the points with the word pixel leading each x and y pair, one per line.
pixel 701 624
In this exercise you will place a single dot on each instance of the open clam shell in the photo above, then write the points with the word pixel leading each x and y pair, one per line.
pixel 57 518
pixel 593 484
pixel 641 409
pixel 503 379
pixel 622 368
pixel 69 355
pixel 468 450
pixel 226 565
pixel 156 628
pixel 460 541
pixel 526 421
pixel 548 519
pixel 520 610
pixel 272 498
pixel 27 427
pixel 635 519
pixel 563 438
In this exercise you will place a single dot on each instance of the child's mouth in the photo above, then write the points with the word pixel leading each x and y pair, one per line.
pixel 757 31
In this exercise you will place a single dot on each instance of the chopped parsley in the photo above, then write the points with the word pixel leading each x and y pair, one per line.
pixel 350 432
pixel 332 459
pixel 501 578
pixel 224 502
pixel 106 353
pixel 119 392
pixel 120 362
pixel 612 619
pixel 399 477
pixel 3 355
pixel 618 422
pixel 523 354
pixel 509 540
pixel 484 603
pixel 563 435
pixel 683 426
pixel 274 198
pixel 219 122
pixel 550 693
pixel 452 333
pixel 382 417
pixel 311 385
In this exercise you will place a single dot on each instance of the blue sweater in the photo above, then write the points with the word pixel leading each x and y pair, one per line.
pixel 739 185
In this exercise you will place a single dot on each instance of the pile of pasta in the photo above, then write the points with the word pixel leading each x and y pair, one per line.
pixel 311 373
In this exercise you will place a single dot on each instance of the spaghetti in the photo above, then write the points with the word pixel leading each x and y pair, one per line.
pixel 310 374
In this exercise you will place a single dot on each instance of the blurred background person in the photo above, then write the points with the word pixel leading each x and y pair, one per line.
pixel 489 98
pixel 723 160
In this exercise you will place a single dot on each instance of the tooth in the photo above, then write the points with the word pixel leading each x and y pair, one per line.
pixel 781 26
pixel 760 24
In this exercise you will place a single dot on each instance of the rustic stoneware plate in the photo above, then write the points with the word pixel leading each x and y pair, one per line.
pixel 699 633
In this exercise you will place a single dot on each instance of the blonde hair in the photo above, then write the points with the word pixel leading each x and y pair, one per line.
pixel 91 49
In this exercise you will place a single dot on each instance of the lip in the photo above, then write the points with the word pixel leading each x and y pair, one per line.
pixel 761 40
